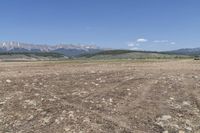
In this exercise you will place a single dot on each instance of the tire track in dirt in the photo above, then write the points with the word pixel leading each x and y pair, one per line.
pixel 115 120
pixel 144 87
pixel 194 93
pixel 102 116
pixel 144 91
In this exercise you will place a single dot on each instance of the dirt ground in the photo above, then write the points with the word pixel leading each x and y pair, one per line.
pixel 100 97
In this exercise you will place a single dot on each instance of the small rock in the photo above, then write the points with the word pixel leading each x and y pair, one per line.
pixel 52 100
pixel 46 120
pixel 64 111
pixel 195 77
pixel 186 103
pixel 57 121
pixel 171 98
pixel 31 102
pixel 160 123
pixel 26 85
pixel 110 100
pixel 188 128
pixel 8 81
pixel 176 126
pixel 71 114
pixel 181 131
pixel 165 132
pixel 188 122
pixel 30 117
pixel 165 117
pixel 92 72
pixel 86 120
pixel 43 113
pixel 67 129
pixel 36 94
pixel 1 103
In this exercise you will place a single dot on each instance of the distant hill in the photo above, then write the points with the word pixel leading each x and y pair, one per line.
pixel 68 50
pixel 30 56
pixel 186 51
pixel 129 54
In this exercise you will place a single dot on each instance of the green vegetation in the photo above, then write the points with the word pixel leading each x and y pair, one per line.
pixel 108 52
pixel 197 57
pixel 103 55
pixel 31 54
pixel 128 54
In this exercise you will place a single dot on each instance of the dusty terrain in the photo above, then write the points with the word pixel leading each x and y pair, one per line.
pixel 100 97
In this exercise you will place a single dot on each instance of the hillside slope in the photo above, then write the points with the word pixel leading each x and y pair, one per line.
pixel 186 51
pixel 128 54
pixel 27 56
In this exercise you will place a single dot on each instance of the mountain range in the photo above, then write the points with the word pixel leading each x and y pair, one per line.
pixel 71 50
pixel 65 49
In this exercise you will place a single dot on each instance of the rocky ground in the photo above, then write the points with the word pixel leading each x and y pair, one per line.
pixel 100 97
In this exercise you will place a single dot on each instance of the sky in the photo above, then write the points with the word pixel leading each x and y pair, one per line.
pixel 122 24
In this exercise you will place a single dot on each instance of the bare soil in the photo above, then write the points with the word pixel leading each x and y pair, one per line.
pixel 100 97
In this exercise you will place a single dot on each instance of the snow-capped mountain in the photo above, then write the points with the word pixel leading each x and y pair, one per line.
pixel 66 49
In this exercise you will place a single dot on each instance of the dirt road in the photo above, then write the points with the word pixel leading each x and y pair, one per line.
pixel 100 97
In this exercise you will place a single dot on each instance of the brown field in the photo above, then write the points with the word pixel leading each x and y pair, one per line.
pixel 100 97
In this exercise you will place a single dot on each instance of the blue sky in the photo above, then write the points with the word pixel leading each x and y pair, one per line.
pixel 134 24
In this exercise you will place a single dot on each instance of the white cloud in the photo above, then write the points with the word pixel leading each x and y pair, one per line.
pixel 161 41
pixel 136 44
pixel 164 41
pixel 141 40
pixel 133 45
pixel 172 43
